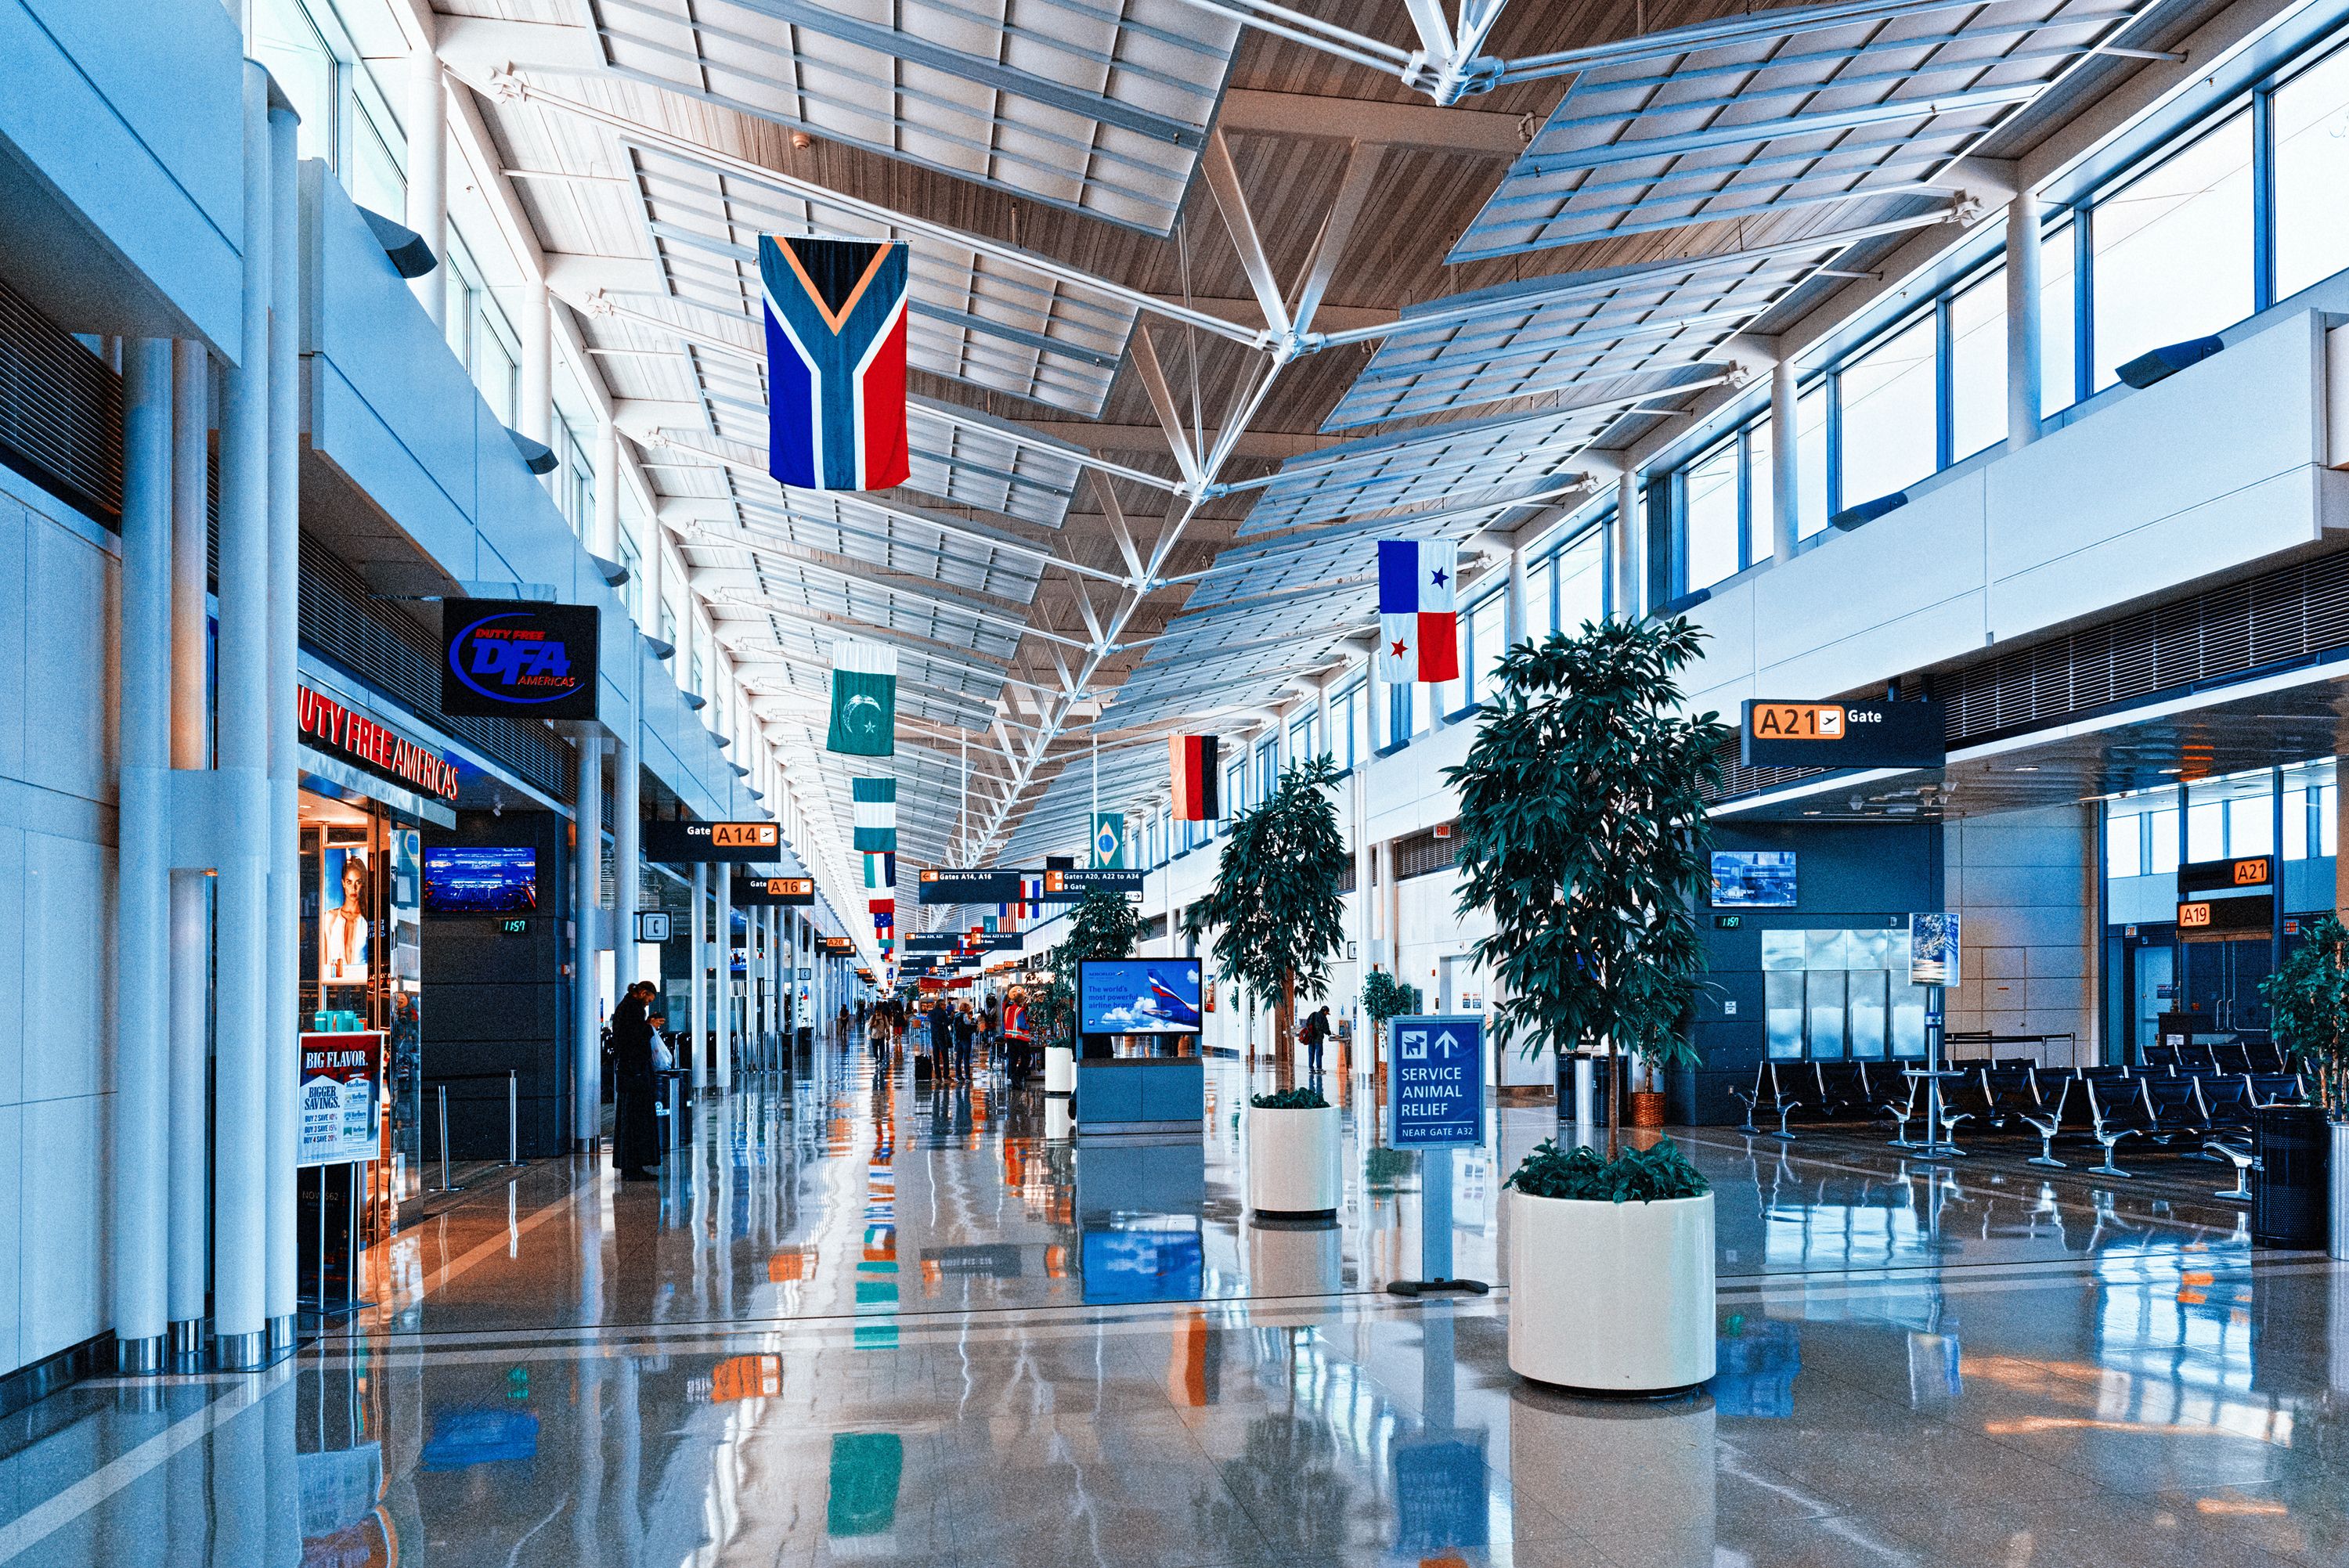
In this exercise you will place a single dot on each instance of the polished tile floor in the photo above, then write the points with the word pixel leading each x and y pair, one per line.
pixel 863 1321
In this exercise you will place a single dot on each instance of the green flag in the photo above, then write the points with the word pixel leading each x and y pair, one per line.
pixel 863 699
pixel 1109 841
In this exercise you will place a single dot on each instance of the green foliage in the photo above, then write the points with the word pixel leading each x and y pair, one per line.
pixel 1276 908
pixel 1384 1169
pixel 1290 1099
pixel 1384 997
pixel 1104 924
pixel 2308 1008
pixel 1583 833
pixel 1646 1175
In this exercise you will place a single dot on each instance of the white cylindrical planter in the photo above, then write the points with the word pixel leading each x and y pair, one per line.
pixel 1292 1162
pixel 1290 1257
pixel 2338 1172
pixel 1612 1298
pixel 1060 1069
pixel 1058 1120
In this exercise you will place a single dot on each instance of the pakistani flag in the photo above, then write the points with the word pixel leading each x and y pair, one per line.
pixel 1109 841
pixel 863 699
pixel 877 808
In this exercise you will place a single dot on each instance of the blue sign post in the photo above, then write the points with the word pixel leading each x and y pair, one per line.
pixel 1435 1102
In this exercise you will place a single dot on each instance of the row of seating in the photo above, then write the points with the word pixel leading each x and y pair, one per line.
pixel 2169 1106
pixel 2231 1055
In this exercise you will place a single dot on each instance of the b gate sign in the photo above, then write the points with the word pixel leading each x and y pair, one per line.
pixel 1435 1082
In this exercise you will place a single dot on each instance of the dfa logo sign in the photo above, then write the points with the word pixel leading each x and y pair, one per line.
pixel 515 656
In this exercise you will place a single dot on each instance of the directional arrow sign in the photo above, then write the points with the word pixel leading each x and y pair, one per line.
pixel 1436 1089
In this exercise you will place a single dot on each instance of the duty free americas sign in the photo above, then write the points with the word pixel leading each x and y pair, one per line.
pixel 338 730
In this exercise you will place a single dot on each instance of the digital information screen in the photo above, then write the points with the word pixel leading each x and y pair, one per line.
pixel 496 881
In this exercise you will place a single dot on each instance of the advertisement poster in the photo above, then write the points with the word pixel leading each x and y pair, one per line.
pixel 342 1098
pixel 1932 950
pixel 343 926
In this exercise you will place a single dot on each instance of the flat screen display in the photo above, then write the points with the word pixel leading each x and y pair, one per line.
pixel 1754 879
pixel 480 880
pixel 1138 996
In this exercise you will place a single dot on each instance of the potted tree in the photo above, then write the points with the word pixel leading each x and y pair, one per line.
pixel 2308 1009
pixel 1386 997
pixel 1295 1141
pixel 1276 908
pixel 1583 836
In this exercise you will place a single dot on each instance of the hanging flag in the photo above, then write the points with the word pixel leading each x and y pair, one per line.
pixel 876 814
pixel 1008 915
pixel 836 361
pixel 1193 758
pixel 881 871
pixel 1032 892
pixel 1419 628
pixel 1109 841
pixel 863 699
pixel 989 921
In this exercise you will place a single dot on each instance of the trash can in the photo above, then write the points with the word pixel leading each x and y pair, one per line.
pixel 2291 1190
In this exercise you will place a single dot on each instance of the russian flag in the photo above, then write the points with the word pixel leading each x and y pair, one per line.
pixel 1419 626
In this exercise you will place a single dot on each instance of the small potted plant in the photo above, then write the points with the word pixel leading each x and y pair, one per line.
pixel 2308 1008
pixel 1583 837
pixel 1294 1143
pixel 1386 997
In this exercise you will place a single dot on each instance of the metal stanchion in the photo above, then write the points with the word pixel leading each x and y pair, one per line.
pixel 514 1118
pixel 445 1185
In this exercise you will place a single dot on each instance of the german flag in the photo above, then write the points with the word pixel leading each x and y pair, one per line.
pixel 1193 758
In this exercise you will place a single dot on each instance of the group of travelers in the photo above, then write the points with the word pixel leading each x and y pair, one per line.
pixel 952 1039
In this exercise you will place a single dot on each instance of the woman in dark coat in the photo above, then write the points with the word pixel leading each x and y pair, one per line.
pixel 636 1138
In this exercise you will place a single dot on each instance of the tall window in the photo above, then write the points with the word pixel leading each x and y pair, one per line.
pixel 2311 126
pixel 1891 429
pixel 1761 492
pixel 1811 460
pixel 1543 613
pixel 1581 572
pixel 1489 639
pixel 1712 513
pixel 2173 249
pixel 2059 316
pixel 1978 366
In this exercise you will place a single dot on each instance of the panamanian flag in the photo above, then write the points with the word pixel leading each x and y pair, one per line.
pixel 1419 625
pixel 836 361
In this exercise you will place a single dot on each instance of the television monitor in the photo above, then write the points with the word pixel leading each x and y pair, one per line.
pixel 462 881
pixel 1138 996
pixel 1754 879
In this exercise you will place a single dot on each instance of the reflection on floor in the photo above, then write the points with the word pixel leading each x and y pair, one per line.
pixel 865 1320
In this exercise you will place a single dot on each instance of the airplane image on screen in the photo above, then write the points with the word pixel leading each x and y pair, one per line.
pixel 1163 1003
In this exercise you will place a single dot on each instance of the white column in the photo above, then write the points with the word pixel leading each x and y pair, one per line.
pixel 1785 462
pixel 587 864
pixel 626 852
pixel 1628 574
pixel 697 1013
pixel 281 1053
pixel 428 168
pixel 724 1066
pixel 604 539
pixel 137 1258
pixel 2023 319
pixel 192 946
pixel 240 1094
pixel 534 417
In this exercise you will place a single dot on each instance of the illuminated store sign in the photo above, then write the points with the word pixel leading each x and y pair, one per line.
pixel 354 738
pixel 518 657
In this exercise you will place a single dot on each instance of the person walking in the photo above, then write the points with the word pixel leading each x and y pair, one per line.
pixel 941 1023
pixel 1317 1035
pixel 966 1034
pixel 1015 1037
pixel 635 1138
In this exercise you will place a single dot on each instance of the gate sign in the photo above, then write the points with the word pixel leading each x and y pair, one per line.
pixel 757 893
pixel 748 841
pixel 519 658
pixel 1436 1082
pixel 341 1097
pixel 1842 735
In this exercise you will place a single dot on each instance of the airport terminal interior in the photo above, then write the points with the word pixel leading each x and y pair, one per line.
pixel 1174 783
